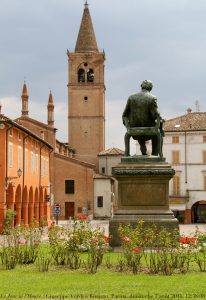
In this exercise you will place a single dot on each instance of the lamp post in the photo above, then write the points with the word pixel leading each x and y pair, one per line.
pixel 9 179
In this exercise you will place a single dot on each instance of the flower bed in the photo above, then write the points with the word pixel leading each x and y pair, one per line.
pixel 144 249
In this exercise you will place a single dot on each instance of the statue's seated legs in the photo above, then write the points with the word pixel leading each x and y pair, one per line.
pixel 127 144
pixel 142 142
pixel 155 145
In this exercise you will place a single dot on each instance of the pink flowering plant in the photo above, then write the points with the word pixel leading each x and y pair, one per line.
pixel 131 244
pixel 148 246
pixel 96 245
pixel 67 245
pixel 21 246
pixel 57 242
pixel 200 250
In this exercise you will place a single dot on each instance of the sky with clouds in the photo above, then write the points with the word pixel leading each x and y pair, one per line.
pixel 160 40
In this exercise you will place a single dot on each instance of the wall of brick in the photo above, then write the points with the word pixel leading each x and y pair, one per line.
pixel 69 169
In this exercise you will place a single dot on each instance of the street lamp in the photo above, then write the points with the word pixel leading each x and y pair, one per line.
pixel 10 179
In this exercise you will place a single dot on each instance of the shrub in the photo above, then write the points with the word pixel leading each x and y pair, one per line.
pixel 10 214
pixel 8 258
pixel 155 246
pixel 42 262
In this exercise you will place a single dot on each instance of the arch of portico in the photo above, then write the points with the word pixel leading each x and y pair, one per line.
pixel 31 206
pixel 36 205
pixel 24 207
pixel 17 205
pixel 41 205
pixel 10 199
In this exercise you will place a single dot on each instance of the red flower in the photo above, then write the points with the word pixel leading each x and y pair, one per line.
pixel 126 239
pixel 106 238
pixel 136 250
pixel 183 240
pixel 82 217
pixel 188 240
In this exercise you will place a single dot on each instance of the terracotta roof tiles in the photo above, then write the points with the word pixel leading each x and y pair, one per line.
pixel 190 122
pixel 112 151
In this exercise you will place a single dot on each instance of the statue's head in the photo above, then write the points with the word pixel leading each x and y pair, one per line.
pixel 147 85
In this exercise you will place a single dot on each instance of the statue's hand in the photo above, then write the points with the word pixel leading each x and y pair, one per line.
pixel 125 121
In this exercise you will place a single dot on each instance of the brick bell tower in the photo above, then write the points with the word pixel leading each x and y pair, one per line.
pixel 86 94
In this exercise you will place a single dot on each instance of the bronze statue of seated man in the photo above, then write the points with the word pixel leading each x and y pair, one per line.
pixel 143 121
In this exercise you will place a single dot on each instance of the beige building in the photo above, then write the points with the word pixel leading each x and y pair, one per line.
pixel 108 159
pixel 103 196
pixel 185 149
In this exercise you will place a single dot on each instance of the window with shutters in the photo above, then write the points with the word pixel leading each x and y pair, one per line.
pixel 204 157
pixel 19 135
pixel 176 185
pixel 42 166
pixel 46 167
pixel 11 131
pixel 10 155
pixel 204 138
pixel 32 162
pixel 175 157
pixel 100 201
pixel 19 157
pixel 69 186
pixel 36 163
pixel 175 139
pixel 205 182
pixel 26 160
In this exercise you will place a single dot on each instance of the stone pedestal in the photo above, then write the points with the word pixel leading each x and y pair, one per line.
pixel 143 194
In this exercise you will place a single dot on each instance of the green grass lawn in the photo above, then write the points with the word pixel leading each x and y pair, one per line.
pixel 26 282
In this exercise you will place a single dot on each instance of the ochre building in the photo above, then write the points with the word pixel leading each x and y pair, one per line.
pixel 25 174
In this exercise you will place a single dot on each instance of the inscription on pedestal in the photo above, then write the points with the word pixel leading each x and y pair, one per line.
pixel 143 194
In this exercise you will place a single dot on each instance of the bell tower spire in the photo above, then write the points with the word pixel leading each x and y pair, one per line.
pixel 24 97
pixel 86 94
pixel 50 110
pixel 86 40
